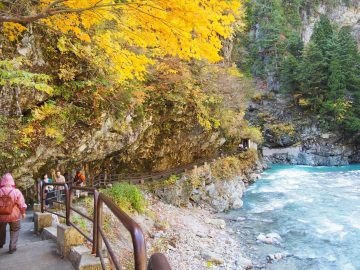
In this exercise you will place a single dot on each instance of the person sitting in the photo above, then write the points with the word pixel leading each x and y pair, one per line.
pixel 12 208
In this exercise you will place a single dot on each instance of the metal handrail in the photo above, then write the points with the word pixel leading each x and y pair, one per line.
pixel 42 199
pixel 93 219
pixel 131 226
pixel 98 234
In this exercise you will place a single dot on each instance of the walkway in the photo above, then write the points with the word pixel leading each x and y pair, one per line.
pixel 32 252
pixel 102 180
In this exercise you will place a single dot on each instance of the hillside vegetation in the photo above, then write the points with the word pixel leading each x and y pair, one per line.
pixel 321 74
pixel 122 85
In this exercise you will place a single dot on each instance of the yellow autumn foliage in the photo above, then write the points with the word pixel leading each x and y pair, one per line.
pixel 13 30
pixel 128 36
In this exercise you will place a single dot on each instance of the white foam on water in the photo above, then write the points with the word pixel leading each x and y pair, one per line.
pixel 331 258
pixel 347 266
pixel 270 189
pixel 341 182
pixel 272 205
pixel 324 205
pixel 330 228
pixel 299 198
pixel 292 174
pixel 303 221
pixel 354 221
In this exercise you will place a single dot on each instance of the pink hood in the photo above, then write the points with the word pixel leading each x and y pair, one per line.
pixel 16 196
pixel 7 179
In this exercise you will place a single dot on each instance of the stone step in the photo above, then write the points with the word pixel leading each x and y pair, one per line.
pixel 34 256
pixel 49 233
pixel 82 259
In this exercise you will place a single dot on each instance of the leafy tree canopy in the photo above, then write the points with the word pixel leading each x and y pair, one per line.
pixel 124 37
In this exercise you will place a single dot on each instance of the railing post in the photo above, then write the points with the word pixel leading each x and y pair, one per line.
pixel 99 221
pixel 95 224
pixel 68 208
pixel 42 196
pixel 38 190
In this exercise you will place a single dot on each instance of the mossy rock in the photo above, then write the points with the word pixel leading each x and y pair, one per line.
pixel 280 134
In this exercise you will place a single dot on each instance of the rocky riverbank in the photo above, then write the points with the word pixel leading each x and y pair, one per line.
pixel 185 225
pixel 191 238
pixel 182 217
pixel 216 186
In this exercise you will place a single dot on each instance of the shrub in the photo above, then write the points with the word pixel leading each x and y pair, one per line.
pixel 231 166
pixel 81 222
pixel 236 128
pixel 226 168
pixel 253 133
pixel 171 180
pixel 281 129
pixel 128 197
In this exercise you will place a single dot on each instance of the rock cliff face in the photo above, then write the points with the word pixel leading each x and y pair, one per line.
pixel 293 136
pixel 139 147
pixel 345 15
pixel 320 152
pixel 202 187
pixel 90 146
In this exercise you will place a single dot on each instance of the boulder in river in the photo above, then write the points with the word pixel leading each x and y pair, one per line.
pixel 270 238
pixel 276 257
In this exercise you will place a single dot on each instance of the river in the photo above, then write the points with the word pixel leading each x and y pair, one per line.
pixel 316 212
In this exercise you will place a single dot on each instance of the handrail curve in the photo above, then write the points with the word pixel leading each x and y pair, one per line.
pixel 98 235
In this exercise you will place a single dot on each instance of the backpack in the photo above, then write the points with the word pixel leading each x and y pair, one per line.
pixel 6 204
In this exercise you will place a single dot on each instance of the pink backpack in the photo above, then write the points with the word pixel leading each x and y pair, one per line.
pixel 6 204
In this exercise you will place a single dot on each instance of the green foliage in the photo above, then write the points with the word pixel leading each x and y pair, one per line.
pixel 12 76
pixel 323 31
pixel 275 43
pixel 128 197
pixel 325 78
pixel 252 133
pixel 80 221
pixel 235 128
pixel 269 42
pixel 313 75
pixel 289 73
pixel 279 130
pixel 171 180
pixel 349 58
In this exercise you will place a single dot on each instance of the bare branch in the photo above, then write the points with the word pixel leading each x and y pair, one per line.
pixel 53 9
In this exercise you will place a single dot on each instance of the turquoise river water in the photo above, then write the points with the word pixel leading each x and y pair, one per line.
pixel 315 210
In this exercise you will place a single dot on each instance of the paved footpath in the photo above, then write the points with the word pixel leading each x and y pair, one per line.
pixel 32 252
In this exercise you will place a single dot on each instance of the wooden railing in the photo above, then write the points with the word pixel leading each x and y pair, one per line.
pixel 157 261
pixel 102 180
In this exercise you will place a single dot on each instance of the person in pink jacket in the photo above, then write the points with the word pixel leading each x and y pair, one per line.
pixel 7 188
